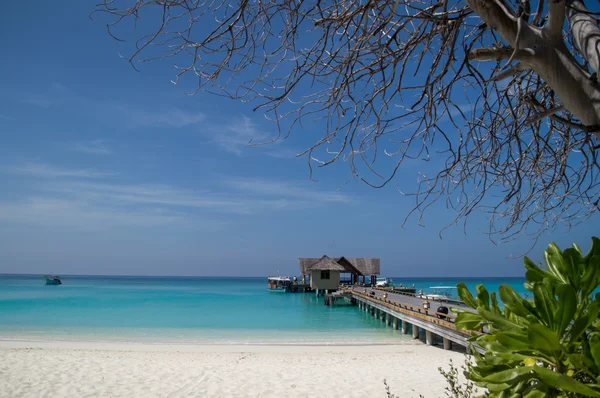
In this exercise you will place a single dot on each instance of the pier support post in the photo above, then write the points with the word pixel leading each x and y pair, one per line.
pixel 366 307
pixel 404 327
pixel 447 344
pixel 317 292
pixel 387 319
pixel 415 330
pixel 428 337
pixel 396 320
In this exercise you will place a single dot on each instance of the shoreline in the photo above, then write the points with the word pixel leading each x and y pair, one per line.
pixel 211 347
pixel 237 338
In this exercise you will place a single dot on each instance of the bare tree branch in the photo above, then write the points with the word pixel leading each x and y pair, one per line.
pixel 401 81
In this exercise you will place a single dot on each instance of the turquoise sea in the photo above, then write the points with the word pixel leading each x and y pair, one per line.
pixel 190 310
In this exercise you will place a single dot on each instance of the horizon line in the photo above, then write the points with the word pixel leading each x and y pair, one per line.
pixel 257 276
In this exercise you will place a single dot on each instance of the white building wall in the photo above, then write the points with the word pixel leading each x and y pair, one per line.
pixel 324 284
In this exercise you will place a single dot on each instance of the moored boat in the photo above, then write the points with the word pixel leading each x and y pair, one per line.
pixel 278 283
pixel 52 280
pixel 441 292
pixel 383 282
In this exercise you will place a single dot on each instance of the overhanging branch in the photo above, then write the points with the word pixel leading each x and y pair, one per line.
pixel 586 33
pixel 499 54
pixel 556 19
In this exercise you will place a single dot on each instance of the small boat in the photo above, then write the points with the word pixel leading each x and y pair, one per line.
pixel 441 292
pixel 279 283
pixel 383 282
pixel 52 280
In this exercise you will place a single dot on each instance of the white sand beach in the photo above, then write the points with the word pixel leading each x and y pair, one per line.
pixel 78 369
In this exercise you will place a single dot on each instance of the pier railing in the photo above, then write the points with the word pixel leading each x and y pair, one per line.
pixel 416 295
pixel 434 317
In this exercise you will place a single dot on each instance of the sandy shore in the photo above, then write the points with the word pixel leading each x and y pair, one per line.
pixel 77 369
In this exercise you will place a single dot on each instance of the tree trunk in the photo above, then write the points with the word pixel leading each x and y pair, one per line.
pixel 544 51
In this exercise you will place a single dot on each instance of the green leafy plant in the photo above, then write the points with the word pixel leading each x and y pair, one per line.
pixel 545 346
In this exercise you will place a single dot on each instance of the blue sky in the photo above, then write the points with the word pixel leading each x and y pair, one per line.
pixel 109 171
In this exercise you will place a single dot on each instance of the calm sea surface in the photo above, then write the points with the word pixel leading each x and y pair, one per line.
pixel 190 310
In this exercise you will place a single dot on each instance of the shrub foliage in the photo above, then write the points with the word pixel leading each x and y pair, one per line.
pixel 545 346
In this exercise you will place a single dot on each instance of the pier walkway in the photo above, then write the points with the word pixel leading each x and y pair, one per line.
pixel 406 311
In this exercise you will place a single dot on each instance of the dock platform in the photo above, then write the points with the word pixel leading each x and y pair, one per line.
pixel 298 288
pixel 406 311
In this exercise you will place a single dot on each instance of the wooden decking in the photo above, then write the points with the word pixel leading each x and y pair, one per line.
pixel 408 309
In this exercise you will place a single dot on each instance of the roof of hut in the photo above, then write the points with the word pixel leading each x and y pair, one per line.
pixel 349 266
pixel 364 266
pixel 325 263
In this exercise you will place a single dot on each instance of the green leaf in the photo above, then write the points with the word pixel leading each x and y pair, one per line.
pixel 512 300
pixel 468 321
pixel 497 387
pixel 535 394
pixel 534 273
pixel 483 297
pixel 555 262
pixel 595 348
pixel 563 382
pixel 567 305
pixel 495 306
pixel 572 261
pixel 543 303
pixel 594 249
pixel 543 338
pixel 465 295
pixel 514 341
pixel 580 361
pixel 499 321
pixel 589 280
pixel 509 376
pixel 585 321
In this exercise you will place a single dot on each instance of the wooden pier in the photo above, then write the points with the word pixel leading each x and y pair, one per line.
pixel 406 311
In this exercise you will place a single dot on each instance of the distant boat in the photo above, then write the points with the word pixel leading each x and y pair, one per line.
pixel 279 283
pixel 52 280
pixel 383 282
pixel 441 292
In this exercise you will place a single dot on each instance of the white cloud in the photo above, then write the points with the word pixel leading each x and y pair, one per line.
pixel 287 189
pixel 283 153
pixel 130 115
pixel 96 147
pixel 38 100
pixel 76 198
pixel 155 195
pixel 164 117
pixel 79 214
pixel 237 134
pixel 46 171
pixel 249 196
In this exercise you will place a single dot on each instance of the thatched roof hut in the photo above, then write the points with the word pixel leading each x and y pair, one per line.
pixel 355 265
pixel 366 266
pixel 326 264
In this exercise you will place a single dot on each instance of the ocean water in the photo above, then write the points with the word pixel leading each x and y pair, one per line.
pixel 189 310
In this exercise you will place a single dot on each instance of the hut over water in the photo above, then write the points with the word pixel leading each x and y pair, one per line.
pixel 325 272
